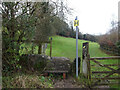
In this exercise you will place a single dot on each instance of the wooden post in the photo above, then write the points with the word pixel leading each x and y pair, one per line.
pixel 39 48
pixel 32 48
pixel 89 68
pixel 51 48
pixel 64 75
pixel 85 59
pixel 42 46
pixel 85 67
pixel 43 49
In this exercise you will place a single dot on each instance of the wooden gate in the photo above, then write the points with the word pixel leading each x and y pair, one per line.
pixel 99 69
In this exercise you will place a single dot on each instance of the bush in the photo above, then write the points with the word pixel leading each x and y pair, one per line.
pixel 26 81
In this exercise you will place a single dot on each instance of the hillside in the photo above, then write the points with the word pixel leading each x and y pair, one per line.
pixel 66 47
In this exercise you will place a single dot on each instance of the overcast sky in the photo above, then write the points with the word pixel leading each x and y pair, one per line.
pixel 94 16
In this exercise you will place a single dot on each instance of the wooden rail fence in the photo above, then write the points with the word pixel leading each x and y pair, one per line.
pixel 88 73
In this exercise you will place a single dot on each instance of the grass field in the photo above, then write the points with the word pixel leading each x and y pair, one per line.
pixel 66 47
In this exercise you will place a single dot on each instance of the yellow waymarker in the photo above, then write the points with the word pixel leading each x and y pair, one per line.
pixel 84 47
pixel 76 22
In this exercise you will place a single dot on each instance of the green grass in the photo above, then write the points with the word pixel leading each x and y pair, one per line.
pixel 66 47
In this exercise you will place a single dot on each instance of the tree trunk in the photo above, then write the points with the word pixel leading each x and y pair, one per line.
pixel 39 48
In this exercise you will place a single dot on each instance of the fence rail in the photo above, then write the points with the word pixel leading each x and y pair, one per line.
pixel 108 73
pixel 108 78
pixel 94 72
pixel 109 65
pixel 105 58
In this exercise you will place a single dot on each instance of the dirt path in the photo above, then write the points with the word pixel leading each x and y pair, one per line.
pixel 70 82
pixel 66 83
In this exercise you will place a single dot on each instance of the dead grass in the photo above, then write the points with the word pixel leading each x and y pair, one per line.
pixel 27 81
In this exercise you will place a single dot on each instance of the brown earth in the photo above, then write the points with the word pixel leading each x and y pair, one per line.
pixel 69 82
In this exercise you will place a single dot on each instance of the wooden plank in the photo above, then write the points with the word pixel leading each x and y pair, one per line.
pixel 94 72
pixel 107 84
pixel 106 58
pixel 30 41
pixel 108 65
pixel 111 64
pixel 102 65
pixel 108 78
pixel 56 71
pixel 112 73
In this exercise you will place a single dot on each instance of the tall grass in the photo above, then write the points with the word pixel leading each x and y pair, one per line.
pixel 26 81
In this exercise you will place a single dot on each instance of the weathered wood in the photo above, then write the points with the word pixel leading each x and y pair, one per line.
pixel 32 48
pixel 102 65
pixel 89 68
pixel 96 72
pixel 108 65
pixel 64 75
pixel 99 84
pixel 29 41
pixel 44 46
pixel 105 58
pixel 56 71
pixel 111 73
pixel 40 49
pixel 84 59
pixel 86 63
pixel 111 64
pixel 85 51
pixel 107 78
pixel 51 48
pixel 85 67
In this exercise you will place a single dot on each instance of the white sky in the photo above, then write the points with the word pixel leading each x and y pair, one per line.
pixel 94 16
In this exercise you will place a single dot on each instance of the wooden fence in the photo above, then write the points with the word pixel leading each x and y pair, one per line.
pixel 87 68
pixel 41 49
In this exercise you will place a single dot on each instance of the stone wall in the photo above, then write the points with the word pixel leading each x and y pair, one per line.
pixel 33 61
pixel 58 64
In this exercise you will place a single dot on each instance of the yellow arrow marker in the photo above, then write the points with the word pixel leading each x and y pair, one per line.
pixel 76 22
pixel 84 47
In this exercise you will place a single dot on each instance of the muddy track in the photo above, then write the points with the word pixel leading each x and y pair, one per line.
pixel 69 82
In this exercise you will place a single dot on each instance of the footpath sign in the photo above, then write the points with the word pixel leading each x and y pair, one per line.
pixel 76 23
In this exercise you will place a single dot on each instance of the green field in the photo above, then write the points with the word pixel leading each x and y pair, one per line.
pixel 66 47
